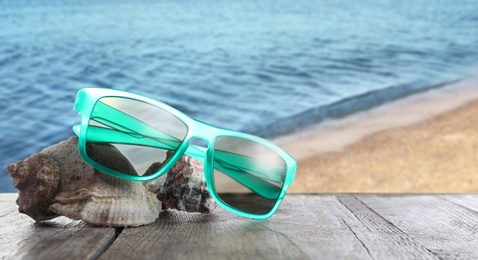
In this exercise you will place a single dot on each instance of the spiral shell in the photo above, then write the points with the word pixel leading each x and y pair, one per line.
pixel 57 182
pixel 184 188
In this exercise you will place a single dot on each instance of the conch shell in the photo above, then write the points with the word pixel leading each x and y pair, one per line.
pixel 184 188
pixel 57 182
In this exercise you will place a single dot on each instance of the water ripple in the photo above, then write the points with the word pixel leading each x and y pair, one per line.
pixel 261 66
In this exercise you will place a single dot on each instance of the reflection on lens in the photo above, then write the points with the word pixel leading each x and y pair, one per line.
pixel 247 176
pixel 131 136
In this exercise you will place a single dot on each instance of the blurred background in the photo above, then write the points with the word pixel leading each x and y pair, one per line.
pixel 269 67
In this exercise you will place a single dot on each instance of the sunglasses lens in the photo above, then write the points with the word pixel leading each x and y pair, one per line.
pixel 247 175
pixel 131 136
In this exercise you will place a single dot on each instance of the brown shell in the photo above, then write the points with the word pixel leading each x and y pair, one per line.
pixel 58 182
pixel 37 178
pixel 184 187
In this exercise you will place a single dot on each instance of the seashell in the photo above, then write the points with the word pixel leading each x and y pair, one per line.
pixel 57 182
pixel 184 188
pixel 37 178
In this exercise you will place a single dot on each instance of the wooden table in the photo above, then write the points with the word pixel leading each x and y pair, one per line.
pixel 328 226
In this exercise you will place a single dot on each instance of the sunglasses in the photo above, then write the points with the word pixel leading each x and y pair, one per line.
pixel 245 174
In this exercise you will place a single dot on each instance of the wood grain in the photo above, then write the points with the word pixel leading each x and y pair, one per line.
pixel 448 230
pixel 469 201
pixel 319 226
pixel 62 238
pixel 186 235
pixel 307 226
pixel 304 227
pixel 382 239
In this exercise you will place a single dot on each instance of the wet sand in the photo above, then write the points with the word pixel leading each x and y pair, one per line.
pixel 423 143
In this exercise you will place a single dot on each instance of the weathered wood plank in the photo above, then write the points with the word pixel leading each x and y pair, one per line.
pixel 21 237
pixel 319 226
pixel 306 226
pixel 380 237
pixel 469 201
pixel 8 197
pixel 445 228
pixel 192 235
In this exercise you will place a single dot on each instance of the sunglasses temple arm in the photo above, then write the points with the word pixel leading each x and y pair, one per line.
pixel 134 131
pixel 143 134
pixel 104 135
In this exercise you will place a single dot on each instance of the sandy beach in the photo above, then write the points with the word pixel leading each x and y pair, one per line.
pixel 423 143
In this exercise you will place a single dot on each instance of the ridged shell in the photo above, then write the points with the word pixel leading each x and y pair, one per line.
pixel 37 178
pixel 184 188
pixel 58 182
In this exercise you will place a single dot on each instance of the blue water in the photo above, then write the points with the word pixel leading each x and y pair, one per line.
pixel 267 67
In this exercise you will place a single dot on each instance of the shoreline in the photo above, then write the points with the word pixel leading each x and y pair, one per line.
pixel 338 144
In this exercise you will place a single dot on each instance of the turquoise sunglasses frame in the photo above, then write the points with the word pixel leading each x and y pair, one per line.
pixel 87 98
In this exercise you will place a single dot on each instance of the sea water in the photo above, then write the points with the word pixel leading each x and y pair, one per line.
pixel 268 67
